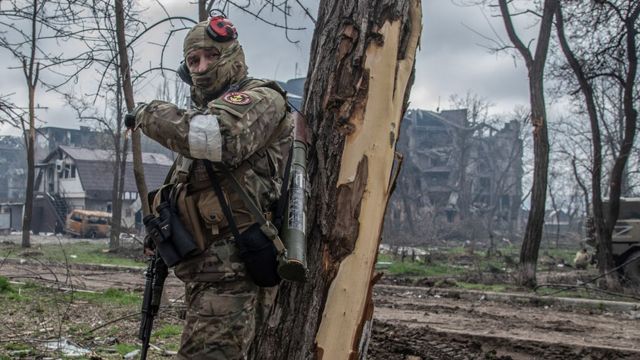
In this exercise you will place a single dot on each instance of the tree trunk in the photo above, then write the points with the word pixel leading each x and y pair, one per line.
pixel 358 84
pixel 535 67
pixel 127 88
pixel 116 209
pixel 118 175
pixel 123 169
pixel 630 125
pixel 28 201
pixel 31 72
pixel 535 222
pixel 604 223
pixel 202 10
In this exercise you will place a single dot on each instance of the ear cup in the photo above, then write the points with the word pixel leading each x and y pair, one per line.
pixel 221 29
pixel 183 72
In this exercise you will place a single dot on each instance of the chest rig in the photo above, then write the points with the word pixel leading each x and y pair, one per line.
pixel 260 177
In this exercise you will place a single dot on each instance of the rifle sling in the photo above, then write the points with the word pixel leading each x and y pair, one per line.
pixel 267 227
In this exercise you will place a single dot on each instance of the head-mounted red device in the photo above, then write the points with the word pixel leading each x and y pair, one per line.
pixel 221 29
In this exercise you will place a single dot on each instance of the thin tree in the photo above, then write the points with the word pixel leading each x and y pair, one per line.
pixel 616 47
pixel 535 67
pixel 104 52
pixel 127 88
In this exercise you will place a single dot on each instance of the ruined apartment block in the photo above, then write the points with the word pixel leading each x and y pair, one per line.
pixel 455 175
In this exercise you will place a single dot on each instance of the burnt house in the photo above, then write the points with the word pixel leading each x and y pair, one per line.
pixel 80 178
pixel 48 138
pixel 453 173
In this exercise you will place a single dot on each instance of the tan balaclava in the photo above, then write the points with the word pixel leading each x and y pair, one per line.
pixel 229 69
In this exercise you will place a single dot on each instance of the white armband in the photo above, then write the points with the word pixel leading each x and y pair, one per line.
pixel 205 140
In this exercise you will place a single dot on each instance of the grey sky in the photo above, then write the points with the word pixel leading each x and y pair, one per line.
pixel 450 60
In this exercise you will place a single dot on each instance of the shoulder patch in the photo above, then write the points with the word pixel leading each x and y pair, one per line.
pixel 236 103
pixel 237 98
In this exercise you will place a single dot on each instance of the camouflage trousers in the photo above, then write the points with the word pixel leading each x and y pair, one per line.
pixel 224 307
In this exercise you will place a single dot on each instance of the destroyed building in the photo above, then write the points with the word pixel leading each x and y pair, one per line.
pixel 13 167
pixel 458 180
pixel 48 138
pixel 80 178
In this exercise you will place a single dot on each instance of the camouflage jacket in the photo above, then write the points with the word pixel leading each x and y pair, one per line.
pixel 248 130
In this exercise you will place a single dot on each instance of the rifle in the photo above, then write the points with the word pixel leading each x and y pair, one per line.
pixel 155 275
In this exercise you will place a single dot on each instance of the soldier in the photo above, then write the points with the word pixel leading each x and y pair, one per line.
pixel 244 124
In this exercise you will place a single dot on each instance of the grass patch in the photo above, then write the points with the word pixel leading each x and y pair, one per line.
pixel 456 250
pixel 5 286
pixel 111 296
pixel 484 287
pixel 168 331
pixel 385 257
pixel 566 254
pixel 421 269
pixel 17 350
pixel 17 347
pixel 560 292
pixel 30 291
pixel 80 252
pixel 124 349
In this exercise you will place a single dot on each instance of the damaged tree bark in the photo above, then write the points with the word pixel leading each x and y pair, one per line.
pixel 360 75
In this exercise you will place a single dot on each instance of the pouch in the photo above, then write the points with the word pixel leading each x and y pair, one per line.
pixel 259 255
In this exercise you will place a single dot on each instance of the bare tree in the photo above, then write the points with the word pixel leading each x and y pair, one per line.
pixel 109 121
pixel 614 60
pixel 26 26
pixel 127 88
pixel 535 63
pixel 10 113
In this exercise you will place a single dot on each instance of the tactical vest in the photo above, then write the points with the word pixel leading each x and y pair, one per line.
pixel 261 176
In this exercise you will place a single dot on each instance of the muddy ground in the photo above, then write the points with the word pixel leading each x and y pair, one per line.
pixel 410 322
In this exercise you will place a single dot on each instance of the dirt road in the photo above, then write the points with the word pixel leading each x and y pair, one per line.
pixel 442 324
pixel 428 323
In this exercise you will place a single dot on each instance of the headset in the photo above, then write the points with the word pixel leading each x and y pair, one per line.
pixel 219 29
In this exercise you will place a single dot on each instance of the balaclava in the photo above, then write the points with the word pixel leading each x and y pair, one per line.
pixel 229 69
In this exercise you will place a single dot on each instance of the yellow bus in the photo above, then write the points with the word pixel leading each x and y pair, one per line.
pixel 88 223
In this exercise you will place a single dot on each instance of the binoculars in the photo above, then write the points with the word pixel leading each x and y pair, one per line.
pixel 173 242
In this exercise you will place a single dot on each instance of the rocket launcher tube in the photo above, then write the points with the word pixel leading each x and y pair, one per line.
pixel 293 263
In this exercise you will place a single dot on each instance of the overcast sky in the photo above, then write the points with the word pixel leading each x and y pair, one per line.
pixel 452 59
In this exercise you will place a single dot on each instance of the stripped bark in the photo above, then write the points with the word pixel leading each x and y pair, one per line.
pixel 360 75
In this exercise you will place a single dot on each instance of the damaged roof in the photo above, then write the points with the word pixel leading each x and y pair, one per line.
pixel 83 154
pixel 95 169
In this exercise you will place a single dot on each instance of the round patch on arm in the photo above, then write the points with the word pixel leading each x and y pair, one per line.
pixel 237 98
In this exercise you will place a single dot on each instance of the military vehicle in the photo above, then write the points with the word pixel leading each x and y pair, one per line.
pixel 625 238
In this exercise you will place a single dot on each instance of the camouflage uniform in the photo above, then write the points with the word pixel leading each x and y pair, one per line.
pixel 246 127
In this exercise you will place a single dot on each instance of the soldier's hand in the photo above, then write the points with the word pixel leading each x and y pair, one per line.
pixel 149 246
pixel 130 118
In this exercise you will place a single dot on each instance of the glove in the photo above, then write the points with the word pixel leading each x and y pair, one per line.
pixel 130 118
